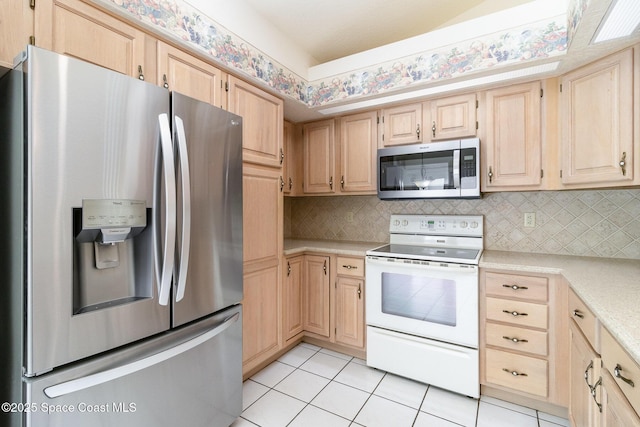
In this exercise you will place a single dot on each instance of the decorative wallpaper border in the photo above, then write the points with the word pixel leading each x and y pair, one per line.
pixel 180 20
pixel 577 8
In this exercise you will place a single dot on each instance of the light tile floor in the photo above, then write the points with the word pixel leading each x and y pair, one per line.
pixel 314 387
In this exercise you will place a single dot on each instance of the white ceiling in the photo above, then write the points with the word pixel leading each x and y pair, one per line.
pixel 332 29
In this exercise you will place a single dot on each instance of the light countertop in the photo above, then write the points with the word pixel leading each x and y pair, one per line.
pixel 609 287
pixel 294 246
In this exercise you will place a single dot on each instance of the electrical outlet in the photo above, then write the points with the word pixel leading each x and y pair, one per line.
pixel 529 219
pixel 349 217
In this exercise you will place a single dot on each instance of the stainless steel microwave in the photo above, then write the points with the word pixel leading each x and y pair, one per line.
pixel 448 169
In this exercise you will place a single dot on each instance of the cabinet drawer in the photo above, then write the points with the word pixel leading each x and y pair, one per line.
pixel 584 318
pixel 518 372
pixel 613 355
pixel 350 266
pixel 515 338
pixel 517 286
pixel 517 312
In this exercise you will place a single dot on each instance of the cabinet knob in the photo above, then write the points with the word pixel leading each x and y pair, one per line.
pixel 623 163
pixel 140 73
pixel 324 267
pixel 281 156
pixel 331 183
pixel 359 291
pixel 290 183
pixel 578 313
pixel 349 267
pixel 165 84
pixel 433 129
pixel 281 184
pixel 490 175
pixel 342 182
pixel 418 130
pixel 288 269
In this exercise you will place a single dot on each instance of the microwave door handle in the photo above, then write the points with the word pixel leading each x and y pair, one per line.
pixel 164 268
pixel 185 241
pixel 456 168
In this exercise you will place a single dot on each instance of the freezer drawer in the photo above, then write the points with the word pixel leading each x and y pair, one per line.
pixel 192 376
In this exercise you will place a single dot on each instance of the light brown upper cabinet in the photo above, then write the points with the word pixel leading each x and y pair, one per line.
pixel 262 128
pixel 511 138
pixel 450 118
pixel 16 25
pixel 402 125
pixel 292 166
pixel 190 76
pixel 358 151
pixel 318 149
pixel 597 123
pixel 77 29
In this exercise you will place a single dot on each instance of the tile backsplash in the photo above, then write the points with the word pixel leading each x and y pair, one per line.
pixel 601 223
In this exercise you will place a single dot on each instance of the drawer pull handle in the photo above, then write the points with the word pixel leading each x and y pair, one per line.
pixel 514 313
pixel 578 313
pixel 617 374
pixel 515 340
pixel 515 373
pixel 349 267
pixel 515 287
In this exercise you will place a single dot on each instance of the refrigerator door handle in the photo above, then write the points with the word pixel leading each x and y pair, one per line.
pixel 185 242
pixel 130 368
pixel 164 271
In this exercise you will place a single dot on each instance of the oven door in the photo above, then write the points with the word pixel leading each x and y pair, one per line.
pixel 426 299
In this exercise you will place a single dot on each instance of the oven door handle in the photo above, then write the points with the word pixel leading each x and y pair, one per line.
pixel 389 263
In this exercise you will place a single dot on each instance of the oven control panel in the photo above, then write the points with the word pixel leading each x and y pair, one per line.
pixel 457 225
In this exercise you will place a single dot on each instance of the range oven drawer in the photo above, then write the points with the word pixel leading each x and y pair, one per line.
pixel 443 365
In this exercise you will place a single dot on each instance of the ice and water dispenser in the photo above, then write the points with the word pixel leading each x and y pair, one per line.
pixel 112 254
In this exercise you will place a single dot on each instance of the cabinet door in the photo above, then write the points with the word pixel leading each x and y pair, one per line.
pixel 358 153
pixel 452 117
pixel 319 156
pixel 584 372
pixel 292 320
pixel 190 76
pixel 262 254
pixel 16 25
pixel 262 115
pixel 616 410
pixel 350 311
pixel 402 125
pixel 262 203
pixel 76 29
pixel 597 123
pixel 260 337
pixel 292 166
pixel 316 295
pixel 512 144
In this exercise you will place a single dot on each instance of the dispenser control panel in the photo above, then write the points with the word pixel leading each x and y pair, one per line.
pixel 107 213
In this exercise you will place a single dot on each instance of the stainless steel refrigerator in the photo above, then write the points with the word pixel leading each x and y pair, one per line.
pixel 121 221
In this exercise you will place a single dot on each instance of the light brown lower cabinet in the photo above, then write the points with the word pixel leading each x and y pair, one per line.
pixel 523 339
pixel 323 301
pixel 604 378
pixel 292 298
